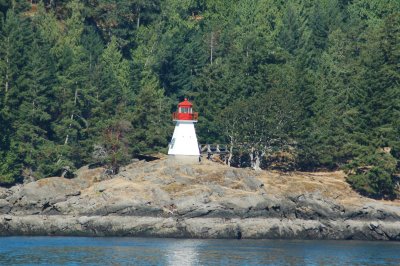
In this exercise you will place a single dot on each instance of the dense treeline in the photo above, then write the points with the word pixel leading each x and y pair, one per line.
pixel 300 84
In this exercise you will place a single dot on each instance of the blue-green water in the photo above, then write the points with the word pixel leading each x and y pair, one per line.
pixel 153 251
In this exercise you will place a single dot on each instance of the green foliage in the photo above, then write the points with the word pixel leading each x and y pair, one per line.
pixel 114 149
pixel 373 175
pixel 15 5
pixel 150 114
pixel 122 18
pixel 112 82
pixel 261 125
pixel 9 168
pixel 289 84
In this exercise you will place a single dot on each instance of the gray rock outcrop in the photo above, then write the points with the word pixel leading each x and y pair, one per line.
pixel 164 198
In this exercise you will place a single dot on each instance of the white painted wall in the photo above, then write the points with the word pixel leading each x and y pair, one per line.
pixel 184 139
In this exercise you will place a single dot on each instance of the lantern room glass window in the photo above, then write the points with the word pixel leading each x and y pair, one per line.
pixel 185 110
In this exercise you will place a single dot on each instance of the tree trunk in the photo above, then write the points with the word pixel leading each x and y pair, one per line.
pixel 230 154
pixel 138 18
pixel 8 67
pixel 257 161
pixel 72 117
pixel 252 157
pixel 67 137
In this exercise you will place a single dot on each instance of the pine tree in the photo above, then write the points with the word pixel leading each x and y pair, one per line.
pixel 121 19
pixel 72 90
pixel 113 99
pixel 34 114
pixel 113 82
pixel 14 40
pixel 150 118
pixel 380 60
pixel 293 27
pixel 338 121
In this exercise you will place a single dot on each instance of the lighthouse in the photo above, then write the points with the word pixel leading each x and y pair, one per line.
pixel 184 140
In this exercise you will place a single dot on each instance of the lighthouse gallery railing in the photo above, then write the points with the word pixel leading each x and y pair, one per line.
pixel 185 116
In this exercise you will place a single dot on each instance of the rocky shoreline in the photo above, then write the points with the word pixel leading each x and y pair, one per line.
pixel 250 228
pixel 207 200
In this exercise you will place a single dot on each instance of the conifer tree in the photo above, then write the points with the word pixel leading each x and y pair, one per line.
pixel 14 41
pixel 33 116
pixel 113 99
pixel 151 114
pixel 84 81
pixel 73 87
pixel 113 81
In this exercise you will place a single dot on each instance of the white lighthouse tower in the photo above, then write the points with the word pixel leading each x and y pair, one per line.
pixel 184 140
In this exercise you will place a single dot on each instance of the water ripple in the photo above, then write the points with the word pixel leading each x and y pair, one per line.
pixel 154 251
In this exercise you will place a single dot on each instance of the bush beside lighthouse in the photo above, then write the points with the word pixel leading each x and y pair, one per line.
pixel 184 140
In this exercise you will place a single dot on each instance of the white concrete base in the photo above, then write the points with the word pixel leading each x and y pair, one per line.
pixel 184 139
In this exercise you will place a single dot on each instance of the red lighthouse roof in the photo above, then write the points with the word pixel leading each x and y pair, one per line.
pixel 185 112
pixel 185 103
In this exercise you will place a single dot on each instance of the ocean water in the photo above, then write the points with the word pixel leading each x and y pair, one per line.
pixel 156 251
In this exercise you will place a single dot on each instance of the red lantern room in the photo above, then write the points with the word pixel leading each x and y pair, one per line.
pixel 185 112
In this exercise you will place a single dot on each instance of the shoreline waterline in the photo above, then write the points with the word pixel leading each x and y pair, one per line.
pixel 198 228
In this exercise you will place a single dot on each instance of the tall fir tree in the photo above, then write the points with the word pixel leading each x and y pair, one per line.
pixel 15 37
pixel 151 114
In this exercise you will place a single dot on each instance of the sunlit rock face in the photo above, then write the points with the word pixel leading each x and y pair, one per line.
pixel 197 199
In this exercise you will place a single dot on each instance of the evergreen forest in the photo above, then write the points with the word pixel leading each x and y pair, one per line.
pixel 288 84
